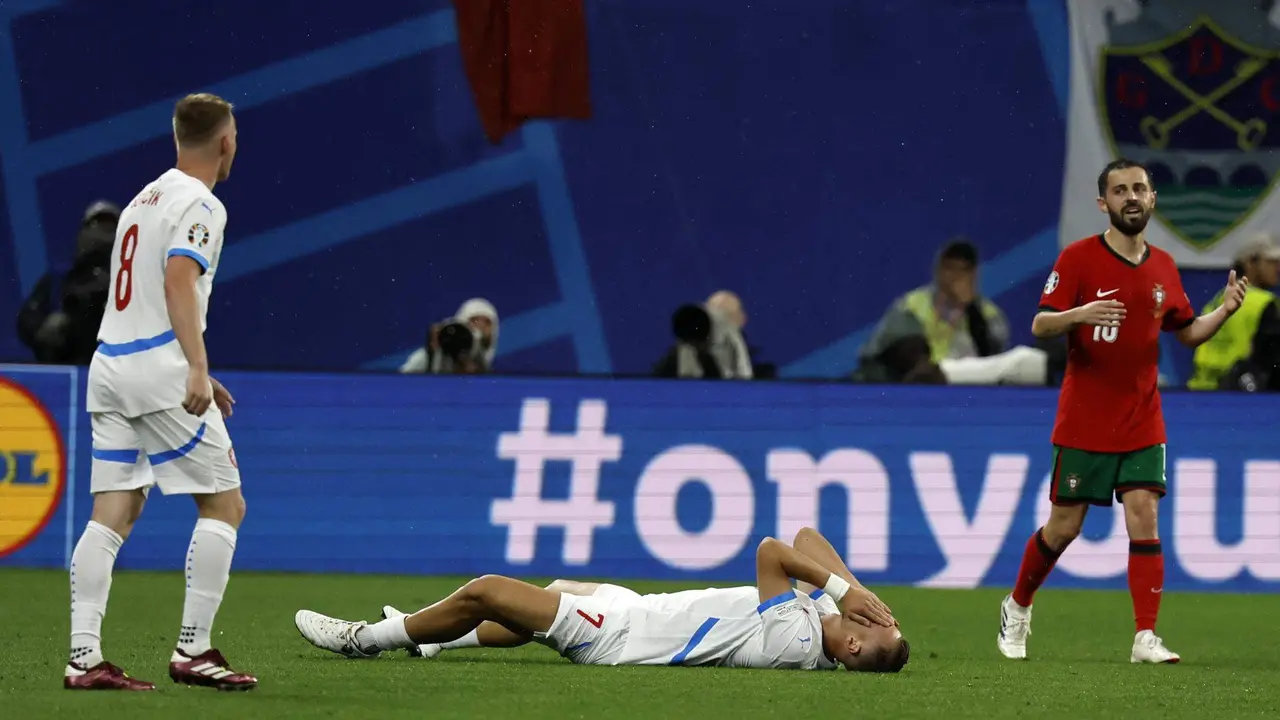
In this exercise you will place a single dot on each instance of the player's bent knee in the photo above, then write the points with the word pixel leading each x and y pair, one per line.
pixel 517 605
pixel 1064 525
pixel 804 533
pixel 482 590
pixel 118 510
pixel 573 587
pixel 1060 535
pixel 1141 511
pixel 228 506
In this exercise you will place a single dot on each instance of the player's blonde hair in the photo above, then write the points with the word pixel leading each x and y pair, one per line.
pixel 197 118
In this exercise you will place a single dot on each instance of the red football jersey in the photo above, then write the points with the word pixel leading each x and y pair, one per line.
pixel 1110 400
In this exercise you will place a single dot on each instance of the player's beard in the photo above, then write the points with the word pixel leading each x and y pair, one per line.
pixel 1130 225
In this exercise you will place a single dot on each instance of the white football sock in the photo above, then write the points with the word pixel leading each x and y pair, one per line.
pixel 388 634
pixel 91 565
pixel 213 543
pixel 470 640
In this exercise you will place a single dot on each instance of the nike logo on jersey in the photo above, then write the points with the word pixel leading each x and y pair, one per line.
pixel 1109 292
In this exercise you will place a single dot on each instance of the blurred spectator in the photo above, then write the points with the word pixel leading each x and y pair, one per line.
pixel 1245 354
pixel 729 343
pixel 690 356
pixel 729 306
pixel 946 332
pixel 59 320
pixel 709 341
pixel 464 344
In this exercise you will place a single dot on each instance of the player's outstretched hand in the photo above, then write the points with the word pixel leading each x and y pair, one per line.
pixel 199 393
pixel 1106 313
pixel 222 398
pixel 863 607
pixel 1233 296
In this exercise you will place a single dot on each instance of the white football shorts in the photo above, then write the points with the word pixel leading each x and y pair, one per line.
pixel 591 629
pixel 173 449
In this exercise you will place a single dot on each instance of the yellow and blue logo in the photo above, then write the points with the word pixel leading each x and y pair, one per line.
pixel 32 467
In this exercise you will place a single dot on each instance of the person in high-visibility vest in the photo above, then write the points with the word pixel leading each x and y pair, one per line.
pixel 1245 354
pixel 948 333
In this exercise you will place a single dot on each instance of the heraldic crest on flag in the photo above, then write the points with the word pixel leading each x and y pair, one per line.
pixel 1198 107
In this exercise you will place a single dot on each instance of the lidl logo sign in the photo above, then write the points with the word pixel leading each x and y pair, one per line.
pixel 32 466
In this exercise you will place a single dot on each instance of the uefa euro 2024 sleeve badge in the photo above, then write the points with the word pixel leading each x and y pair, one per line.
pixel 198 235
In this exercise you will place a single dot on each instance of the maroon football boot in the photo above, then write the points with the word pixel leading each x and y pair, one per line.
pixel 103 676
pixel 208 669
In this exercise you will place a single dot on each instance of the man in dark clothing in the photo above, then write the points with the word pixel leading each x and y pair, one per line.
pixel 59 320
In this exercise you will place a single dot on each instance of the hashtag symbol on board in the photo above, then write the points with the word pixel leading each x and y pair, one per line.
pixel 526 511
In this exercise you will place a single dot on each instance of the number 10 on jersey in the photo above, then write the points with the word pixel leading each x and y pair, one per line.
pixel 1105 334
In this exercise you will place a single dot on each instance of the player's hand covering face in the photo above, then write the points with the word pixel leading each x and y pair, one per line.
pixel 863 607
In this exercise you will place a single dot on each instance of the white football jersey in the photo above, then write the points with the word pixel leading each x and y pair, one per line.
pixel 738 601
pixel 784 632
pixel 139 366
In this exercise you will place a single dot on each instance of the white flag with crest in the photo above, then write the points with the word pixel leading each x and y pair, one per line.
pixel 1190 89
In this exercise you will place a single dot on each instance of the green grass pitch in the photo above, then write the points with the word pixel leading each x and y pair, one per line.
pixel 1079 667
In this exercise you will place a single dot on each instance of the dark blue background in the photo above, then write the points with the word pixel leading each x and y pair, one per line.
pixel 357 473
pixel 809 155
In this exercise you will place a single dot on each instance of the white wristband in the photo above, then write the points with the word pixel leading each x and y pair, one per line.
pixel 836 587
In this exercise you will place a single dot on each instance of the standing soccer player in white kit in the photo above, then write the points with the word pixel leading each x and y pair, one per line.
pixel 157 416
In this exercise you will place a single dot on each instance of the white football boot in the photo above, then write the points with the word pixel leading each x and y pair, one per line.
pixel 326 633
pixel 428 651
pixel 1015 626
pixel 1149 648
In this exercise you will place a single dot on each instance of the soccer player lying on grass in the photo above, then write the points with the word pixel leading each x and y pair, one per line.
pixel 781 627
pixel 710 602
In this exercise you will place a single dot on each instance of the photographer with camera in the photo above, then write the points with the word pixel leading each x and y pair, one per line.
pixel 709 343
pixel 464 344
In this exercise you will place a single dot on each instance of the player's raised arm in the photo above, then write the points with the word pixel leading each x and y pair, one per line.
pixel 777 564
pixel 1195 331
pixel 813 545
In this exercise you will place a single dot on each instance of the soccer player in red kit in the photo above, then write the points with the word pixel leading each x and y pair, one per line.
pixel 1111 295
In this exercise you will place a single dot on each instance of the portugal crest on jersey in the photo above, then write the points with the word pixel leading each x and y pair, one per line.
pixel 1198 108
pixel 1158 296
